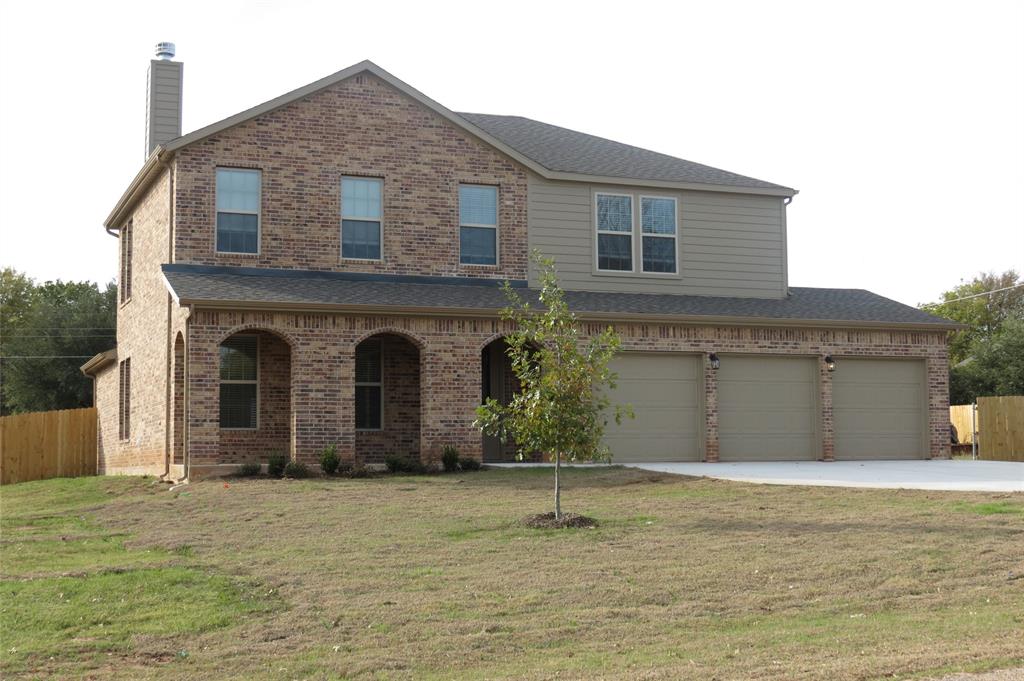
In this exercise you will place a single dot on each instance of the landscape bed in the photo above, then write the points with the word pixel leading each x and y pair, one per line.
pixel 436 577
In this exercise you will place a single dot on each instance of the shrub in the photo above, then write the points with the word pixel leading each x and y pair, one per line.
pixel 248 470
pixel 329 460
pixel 401 463
pixel 276 464
pixel 468 464
pixel 296 469
pixel 359 471
pixel 450 458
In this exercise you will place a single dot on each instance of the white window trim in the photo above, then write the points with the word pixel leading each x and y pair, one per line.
pixel 258 212
pixel 371 384
pixel 127 257
pixel 497 219
pixel 222 381
pixel 631 234
pixel 341 221
pixel 124 396
pixel 674 236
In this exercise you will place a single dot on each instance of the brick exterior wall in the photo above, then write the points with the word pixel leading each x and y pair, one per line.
pixel 360 127
pixel 142 335
pixel 322 361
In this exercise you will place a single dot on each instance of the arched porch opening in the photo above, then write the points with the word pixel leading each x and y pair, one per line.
pixel 388 407
pixel 254 397
pixel 498 381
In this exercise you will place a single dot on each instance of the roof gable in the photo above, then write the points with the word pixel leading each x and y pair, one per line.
pixel 518 138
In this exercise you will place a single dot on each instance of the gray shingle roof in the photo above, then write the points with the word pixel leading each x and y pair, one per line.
pixel 241 285
pixel 569 151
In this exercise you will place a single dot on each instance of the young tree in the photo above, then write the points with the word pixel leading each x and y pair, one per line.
pixel 560 410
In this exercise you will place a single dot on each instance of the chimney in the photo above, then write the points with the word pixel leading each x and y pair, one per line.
pixel 163 98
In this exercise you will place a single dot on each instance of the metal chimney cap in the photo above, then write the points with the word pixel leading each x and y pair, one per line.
pixel 165 51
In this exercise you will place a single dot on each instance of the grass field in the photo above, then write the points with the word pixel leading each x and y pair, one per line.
pixel 431 577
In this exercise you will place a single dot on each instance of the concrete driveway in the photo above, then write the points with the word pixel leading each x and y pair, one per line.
pixel 963 476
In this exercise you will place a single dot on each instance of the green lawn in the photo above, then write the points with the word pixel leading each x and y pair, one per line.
pixel 432 577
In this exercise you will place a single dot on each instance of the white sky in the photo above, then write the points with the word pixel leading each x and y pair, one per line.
pixel 901 123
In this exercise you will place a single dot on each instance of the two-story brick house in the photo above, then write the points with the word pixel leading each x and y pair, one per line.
pixel 324 268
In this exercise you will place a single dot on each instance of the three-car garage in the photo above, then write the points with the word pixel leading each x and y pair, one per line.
pixel 769 408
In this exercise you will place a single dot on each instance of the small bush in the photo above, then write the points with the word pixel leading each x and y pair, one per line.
pixel 450 458
pixel 468 464
pixel 249 470
pixel 296 469
pixel 359 471
pixel 276 464
pixel 329 460
pixel 400 463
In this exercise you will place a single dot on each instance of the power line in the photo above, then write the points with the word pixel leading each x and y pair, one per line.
pixel 47 357
pixel 978 295
pixel 101 335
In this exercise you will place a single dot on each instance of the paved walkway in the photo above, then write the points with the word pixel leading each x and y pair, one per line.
pixel 964 476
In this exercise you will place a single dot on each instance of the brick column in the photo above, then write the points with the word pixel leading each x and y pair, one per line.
pixel 710 412
pixel 203 398
pixel 937 377
pixel 827 424
pixel 450 384
pixel 323 395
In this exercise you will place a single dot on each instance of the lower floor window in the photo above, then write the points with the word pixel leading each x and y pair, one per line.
pixel 369 386
pixel 239 381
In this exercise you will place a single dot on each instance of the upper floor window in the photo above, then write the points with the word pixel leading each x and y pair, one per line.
pixel 238 210
pixel 478 224
pixel 126 262
pixel 361 218
pixel 658 234
pixel 615 232
pixel 239 380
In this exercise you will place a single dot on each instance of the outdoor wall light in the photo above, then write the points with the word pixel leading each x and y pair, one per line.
pixel 830 363
pixel 715 362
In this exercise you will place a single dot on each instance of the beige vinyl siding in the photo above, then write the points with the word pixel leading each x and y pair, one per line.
pixel 728 244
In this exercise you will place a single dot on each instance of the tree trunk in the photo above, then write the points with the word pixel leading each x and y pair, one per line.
pixel 558 487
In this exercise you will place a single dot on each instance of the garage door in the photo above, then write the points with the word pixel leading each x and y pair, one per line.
pixel 663 391
pixel 767 409
pixel 879 409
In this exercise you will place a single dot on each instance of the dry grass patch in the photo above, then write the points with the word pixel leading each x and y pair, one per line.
pixel 435 577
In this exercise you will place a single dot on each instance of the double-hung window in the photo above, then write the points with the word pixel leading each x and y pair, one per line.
pixel 614 232
pixel 238 210
pixel 361 218
pixel 369 386
pixel 478 224
pixel 239 378
pixel 658 234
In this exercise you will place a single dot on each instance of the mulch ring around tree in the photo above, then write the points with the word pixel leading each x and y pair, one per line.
pixel 544 521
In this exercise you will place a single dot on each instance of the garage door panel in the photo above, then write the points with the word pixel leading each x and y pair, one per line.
pixel 879 409
pixel 664 391
pixel 767 409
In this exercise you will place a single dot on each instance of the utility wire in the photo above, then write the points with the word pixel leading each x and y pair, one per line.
pixel 47 357
pixel 978 295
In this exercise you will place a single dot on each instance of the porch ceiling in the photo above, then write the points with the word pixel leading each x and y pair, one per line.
pixel 243 287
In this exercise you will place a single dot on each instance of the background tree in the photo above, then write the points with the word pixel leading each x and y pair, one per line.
pixel 986 358
pixel 46 333
pixel 984 315
pixel 561 408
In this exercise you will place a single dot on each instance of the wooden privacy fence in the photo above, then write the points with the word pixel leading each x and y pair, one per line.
pixel 960 417
pixel 1000 426
pixel 47 444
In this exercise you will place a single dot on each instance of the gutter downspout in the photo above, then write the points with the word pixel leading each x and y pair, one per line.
pixel 186 458
pixel 168 372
